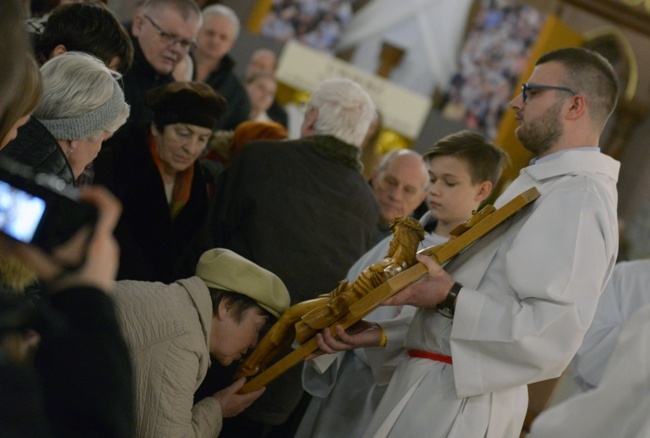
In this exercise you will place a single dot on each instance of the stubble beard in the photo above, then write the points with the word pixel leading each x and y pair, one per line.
pixel 543 133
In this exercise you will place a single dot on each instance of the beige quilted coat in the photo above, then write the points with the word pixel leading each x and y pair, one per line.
pixel 167 328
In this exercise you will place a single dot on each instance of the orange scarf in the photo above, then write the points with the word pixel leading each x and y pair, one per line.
pixel 182 183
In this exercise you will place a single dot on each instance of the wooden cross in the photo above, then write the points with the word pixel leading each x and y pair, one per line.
pixel 467 234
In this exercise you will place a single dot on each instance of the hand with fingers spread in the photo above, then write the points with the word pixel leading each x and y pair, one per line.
pixel 233 404
pixel 427 292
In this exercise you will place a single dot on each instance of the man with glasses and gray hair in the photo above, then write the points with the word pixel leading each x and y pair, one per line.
pixel 163 33
pixel 513 308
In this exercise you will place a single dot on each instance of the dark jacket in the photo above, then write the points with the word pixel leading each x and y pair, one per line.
pixel 81 382
pixel 298 208
pixel 302 210
pixel 153 246
pixel 278 114
pixel 224 81
pixel 141 78
pixel 37 148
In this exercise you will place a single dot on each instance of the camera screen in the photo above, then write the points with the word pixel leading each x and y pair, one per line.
pixel 20 212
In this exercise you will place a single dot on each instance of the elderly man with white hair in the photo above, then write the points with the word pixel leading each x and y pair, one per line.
pixel 400 187
pixel 302 210
pixel 214 66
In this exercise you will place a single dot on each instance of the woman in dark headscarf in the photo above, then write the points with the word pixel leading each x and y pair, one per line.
pixel 156 175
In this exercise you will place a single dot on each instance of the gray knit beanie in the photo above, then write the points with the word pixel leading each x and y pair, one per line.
pixel 85 125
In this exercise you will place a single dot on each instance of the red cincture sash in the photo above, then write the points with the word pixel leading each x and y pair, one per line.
pixel 433 356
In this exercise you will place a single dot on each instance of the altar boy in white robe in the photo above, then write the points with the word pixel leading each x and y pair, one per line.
pixel 462 167
pixel 513 308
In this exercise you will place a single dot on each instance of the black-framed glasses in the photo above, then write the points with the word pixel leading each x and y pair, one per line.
pixel 530 86
pixel 169 38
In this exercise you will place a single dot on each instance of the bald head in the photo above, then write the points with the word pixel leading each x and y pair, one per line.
pixel 400 184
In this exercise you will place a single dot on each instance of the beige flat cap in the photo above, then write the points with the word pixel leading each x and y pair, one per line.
pixel 224 269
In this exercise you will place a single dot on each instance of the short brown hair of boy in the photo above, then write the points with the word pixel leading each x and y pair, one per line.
pixel 90 28
pixel 485 160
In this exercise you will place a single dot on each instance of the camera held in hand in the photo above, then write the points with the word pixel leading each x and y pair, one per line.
pixel 40 209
